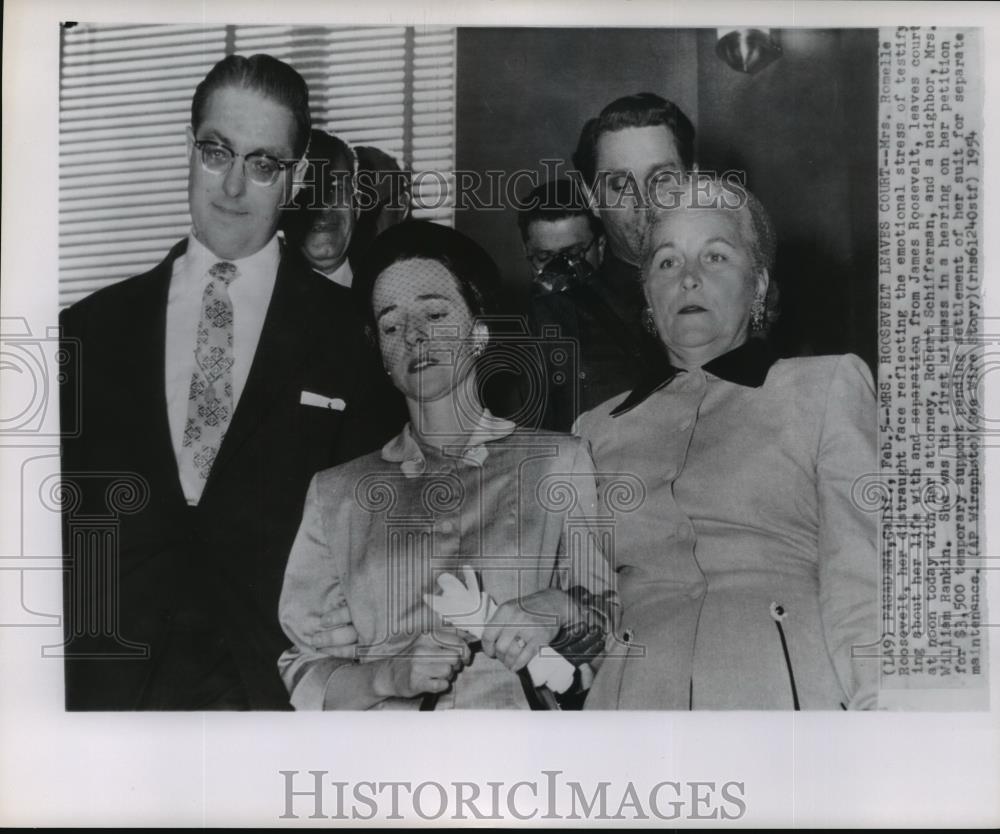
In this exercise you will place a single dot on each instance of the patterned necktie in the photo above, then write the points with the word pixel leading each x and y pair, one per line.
pixel 210 399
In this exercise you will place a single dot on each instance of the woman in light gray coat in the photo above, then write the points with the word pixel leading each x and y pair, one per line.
pixel 747 572
pixel 458 491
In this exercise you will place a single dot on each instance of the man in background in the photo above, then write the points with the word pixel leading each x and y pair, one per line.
pixel 621 153
pixel 323 220
pixel 563 244
pixel 558 230
pixel 213 387
pixel 385 195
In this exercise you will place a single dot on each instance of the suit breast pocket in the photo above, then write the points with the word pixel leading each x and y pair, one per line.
pixel 317 422
pixel 324 402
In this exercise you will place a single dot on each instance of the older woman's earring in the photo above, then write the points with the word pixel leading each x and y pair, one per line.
pixel 757 315
pixel 649 322
pixel 478 348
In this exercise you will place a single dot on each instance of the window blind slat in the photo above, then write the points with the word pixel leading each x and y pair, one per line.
pixel 127 100
pixel 109 33
pixel 131 59
pixel 103 188
pixel 166 148
pixel 126 121
pixel 75 230
pixel 154 251
pixel 122 112
pixel 183 79
pixel 82 203
pixel 110 176
pixel 76 136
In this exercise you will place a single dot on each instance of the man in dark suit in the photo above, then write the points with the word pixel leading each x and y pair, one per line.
pixel 209 391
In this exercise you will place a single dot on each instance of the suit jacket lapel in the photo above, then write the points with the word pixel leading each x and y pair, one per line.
pixel 145 319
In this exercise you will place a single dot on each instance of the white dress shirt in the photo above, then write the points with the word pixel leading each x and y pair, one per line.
pixel 250 294
pixel 342 275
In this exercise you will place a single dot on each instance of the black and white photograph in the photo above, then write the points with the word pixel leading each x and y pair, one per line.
pixel 627 361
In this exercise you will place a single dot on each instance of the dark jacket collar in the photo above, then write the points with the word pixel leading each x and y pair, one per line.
pixel 745 365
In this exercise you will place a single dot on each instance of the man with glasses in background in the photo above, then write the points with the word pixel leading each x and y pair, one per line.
pixel 577 331
pixel 214 386
pixel 621 154
pixel 555 223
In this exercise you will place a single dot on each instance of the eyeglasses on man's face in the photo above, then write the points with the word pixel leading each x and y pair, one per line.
pixel 260 168
pixel 540 257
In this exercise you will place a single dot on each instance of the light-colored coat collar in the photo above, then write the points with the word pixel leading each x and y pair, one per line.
pixel 411 454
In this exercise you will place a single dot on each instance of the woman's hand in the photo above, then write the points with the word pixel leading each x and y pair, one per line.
pixel 336 636
pixel 520 627
pixel 429 664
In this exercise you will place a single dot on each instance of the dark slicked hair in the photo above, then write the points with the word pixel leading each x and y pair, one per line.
pixel 639 110
pixel 381 184
pixel 555 200
pixel 475 273
pixel 263 74
pixel 383 174
pixel 339 156
pixel 331 162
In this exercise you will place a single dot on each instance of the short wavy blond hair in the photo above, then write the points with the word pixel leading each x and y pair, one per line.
pixel 728 192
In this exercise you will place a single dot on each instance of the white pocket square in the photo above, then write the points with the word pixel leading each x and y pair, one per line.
pixel 333 403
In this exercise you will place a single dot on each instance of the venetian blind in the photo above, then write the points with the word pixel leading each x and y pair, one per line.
pixel 125 98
